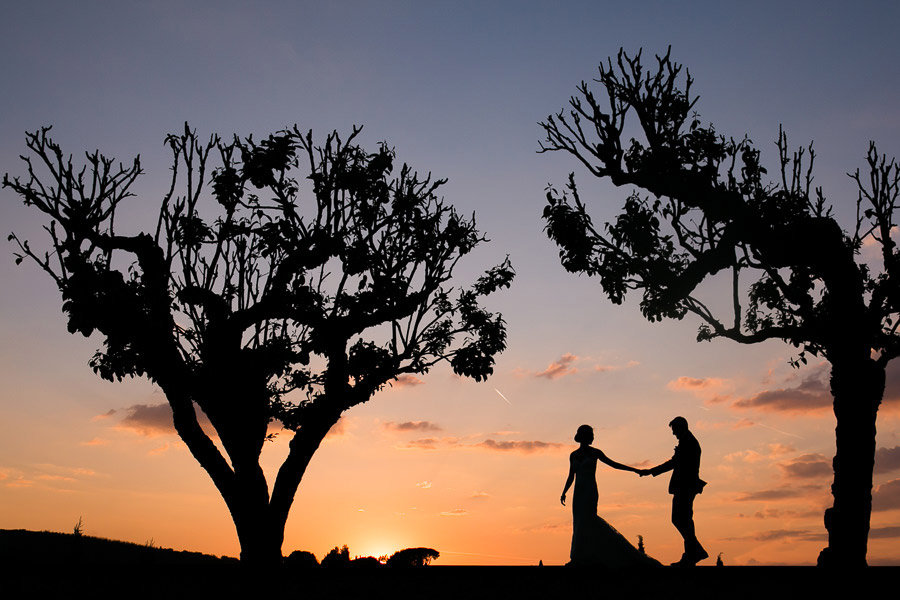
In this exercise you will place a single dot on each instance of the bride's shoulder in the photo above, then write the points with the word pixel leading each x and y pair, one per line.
pixel 585 452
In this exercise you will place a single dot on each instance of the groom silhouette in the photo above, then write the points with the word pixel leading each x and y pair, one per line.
pixel 684 486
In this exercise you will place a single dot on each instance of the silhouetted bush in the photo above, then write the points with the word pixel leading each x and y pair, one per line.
pixel 337 557
pixel 412 557
pixel 301 559
pixel 365 562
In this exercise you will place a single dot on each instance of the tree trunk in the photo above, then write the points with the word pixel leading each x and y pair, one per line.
pixel 259 520
pixel 857 387
pixel 259 536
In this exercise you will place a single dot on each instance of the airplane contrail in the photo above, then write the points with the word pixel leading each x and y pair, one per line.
pixel 780 431
pixel 502 396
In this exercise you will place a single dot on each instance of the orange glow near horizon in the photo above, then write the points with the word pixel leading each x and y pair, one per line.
pixel 372 488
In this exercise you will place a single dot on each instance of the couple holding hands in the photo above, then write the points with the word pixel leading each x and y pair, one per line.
pixel 596 542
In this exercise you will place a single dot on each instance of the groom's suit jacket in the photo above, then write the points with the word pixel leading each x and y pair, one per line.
pixel 685 467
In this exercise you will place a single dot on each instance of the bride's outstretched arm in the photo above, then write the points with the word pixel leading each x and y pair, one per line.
pixel 614 464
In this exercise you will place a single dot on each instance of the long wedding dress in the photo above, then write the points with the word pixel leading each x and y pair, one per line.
pixel 594 541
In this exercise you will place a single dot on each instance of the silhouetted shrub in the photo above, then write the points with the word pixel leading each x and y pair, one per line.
pixel 337 557
pixel 412 557
pixel 301 559
pixel 365 562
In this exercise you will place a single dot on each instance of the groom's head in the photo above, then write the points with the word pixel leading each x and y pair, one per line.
pixel 679 426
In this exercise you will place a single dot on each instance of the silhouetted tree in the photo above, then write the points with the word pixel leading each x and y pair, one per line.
pixel 412 557
pixel 256 305
pixel 337 557
pixel 712 213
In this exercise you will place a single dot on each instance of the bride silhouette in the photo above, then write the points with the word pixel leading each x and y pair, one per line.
pixel 594 541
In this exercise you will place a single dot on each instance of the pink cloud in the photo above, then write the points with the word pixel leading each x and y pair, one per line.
pixel 807 466
pixel 786 534
pixel 608 368
pixel 516 446
pixel 406 380
pixel 884 532
pixel 95 442
pixel 712 389
pixel 105 415
pixel 886 496
pixel 148 419
pixel 525 447
pixel 424 444
pixel 782 493
pixel 811 396
pixel 775 513
pixel 560 368
pixel 338 429
pixel 411 426
pixel 887 459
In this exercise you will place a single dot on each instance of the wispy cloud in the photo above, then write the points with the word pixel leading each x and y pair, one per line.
pixel 886 496
pixel 95 442
pixel 772 535
pixel 456 512
pixel 884 532
pixel 559 527
pixel 807 466
pixel 781 493
pixel 777 513
pixel 766 452
pixel 105 415
pixel 810 396
pixel 44 475
pixel 609 368
pixel 491 445
pixel 148 419
pixel 15 478
pixel 406 426
pixel 565 366
pixel 430 443
pixel 559 368
pixel 339 429
pixel 406 380
pixel 887 459
pixel 525 447
pixel 712 390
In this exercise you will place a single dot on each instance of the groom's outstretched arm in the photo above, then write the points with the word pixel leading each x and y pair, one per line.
pixel 659 469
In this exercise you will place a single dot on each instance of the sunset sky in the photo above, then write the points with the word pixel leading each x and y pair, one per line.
pixel 473 470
